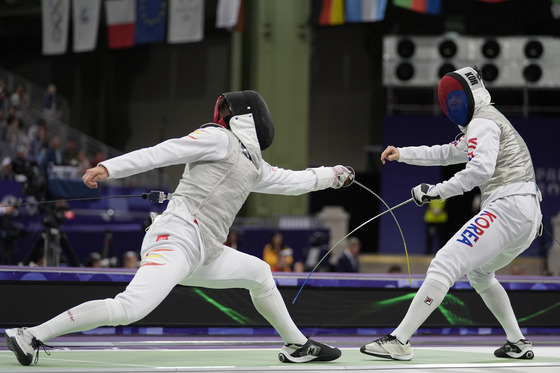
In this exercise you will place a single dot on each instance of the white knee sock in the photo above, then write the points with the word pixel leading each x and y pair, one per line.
pixel 272 307
pixel 497 300
pixel 86 316
pixel 426 300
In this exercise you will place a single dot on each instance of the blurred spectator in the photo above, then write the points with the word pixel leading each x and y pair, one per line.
pixel 15 137
pixel 6 169
pixel 6 209
pixel 232 239
pixel 19 99
pixel 518 270
pixel 299 266
pixel 3 96
pixel 395 269
pixel 27 172
pixel 82 162
pixel 55 154
pixel 71 152
pixel 277 254
pixel 436 220
pixel 39 143
pixel 131 259
pixel 348 260
pixel 94 260
pixel 50 106
pixel 3 132
pixel 99 156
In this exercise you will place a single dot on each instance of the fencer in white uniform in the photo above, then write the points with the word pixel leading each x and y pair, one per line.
pixel 184 245
pixel 498 162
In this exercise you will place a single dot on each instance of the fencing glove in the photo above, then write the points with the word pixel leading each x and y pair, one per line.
pixel 424 193
pixel 344 176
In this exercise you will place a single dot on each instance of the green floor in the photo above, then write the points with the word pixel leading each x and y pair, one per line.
pixel 252 360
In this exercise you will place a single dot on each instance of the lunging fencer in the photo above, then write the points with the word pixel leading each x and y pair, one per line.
pixel 498 162
pixel 184 245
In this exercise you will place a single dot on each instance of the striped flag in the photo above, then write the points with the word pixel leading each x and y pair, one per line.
pixel 420 6
pixel 327 12
pixel 365 10
pixel 121 23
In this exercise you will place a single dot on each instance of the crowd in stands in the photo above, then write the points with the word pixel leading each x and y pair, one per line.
pixel 31 149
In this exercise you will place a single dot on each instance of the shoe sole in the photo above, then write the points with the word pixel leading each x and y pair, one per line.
pixel 285 357
pixel 11 342
pixel 522 355
pixel 387 355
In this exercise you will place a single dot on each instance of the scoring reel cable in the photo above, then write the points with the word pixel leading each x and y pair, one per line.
pixel 389 209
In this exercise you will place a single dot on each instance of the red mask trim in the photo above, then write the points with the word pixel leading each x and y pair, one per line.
pixel 217 114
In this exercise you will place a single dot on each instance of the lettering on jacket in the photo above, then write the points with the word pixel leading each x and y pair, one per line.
pixel 472 143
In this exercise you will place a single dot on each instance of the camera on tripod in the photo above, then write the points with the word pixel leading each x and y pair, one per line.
pixel 318 246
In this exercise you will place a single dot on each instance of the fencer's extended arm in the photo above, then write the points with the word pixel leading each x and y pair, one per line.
pixel 277 180
pixel 204 144
pixel 436 155
pixel 483 139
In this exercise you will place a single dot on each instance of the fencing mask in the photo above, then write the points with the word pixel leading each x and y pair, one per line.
pixel 460 92
pixel 249 102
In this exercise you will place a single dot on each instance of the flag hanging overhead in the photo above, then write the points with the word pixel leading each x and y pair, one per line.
pixel 365 10
pixel 151 19
pixel 86 24
pixel 121 22
pixel 420 6
pixel 186 21
pixel 327 12
pixel 227 13
pixel 55 15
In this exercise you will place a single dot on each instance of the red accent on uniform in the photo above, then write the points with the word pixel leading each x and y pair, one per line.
pixel 152 264
pixel 195 222
pixel 70 315
pixel 217 114
pixel 163 237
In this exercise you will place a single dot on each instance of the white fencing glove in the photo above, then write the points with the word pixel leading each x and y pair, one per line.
pixel 424 193
pixel 344 176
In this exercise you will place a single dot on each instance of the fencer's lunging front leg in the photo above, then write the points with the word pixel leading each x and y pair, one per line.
pixel 270 304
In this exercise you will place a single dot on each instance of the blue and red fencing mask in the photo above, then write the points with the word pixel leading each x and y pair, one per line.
pixel 455 92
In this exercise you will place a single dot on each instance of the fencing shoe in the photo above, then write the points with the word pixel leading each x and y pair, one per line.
pixel 24 345
pixel 522 349
pixel 310 351
pixel 388 347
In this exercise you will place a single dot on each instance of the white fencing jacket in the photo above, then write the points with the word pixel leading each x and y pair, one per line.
pixel 221 168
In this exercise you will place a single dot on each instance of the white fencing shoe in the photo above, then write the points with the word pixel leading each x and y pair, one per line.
pixel 24 345
pixel 388 347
